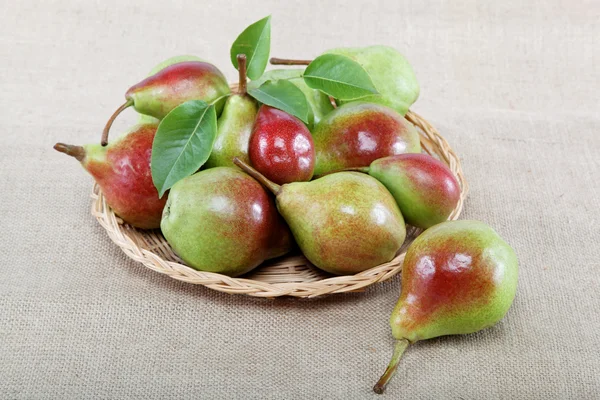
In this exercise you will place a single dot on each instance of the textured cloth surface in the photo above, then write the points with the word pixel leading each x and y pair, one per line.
pixel 512 85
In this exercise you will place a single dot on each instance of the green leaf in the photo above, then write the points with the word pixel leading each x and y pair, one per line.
pixel 339 76
pixel 284 95
pixel 255 43
pixel 183 142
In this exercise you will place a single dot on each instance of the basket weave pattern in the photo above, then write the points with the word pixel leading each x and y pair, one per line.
pixel 287 276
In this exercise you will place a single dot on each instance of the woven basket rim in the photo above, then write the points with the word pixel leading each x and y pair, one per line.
pixel 145 246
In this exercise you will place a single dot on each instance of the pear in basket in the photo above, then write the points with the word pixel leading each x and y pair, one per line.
pixel 160 93
pixel 122 170
pixel 358 133
pixel 222 220
pixel 344 223
pixel 235 125
pixel 390 72
pixel 458 277
pixel 424 188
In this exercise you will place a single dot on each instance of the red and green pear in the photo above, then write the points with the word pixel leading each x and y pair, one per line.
pixel 458 277
pixel 146 119
pixel 122 170
pixel 358 133
pixel 158 94
pixel 222 220
pixel 281 147
pixel 235 124
pixel 424 188
pixel 344 223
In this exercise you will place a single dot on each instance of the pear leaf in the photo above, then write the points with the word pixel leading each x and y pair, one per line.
pixel 284 95
pixel 183 142
pixel 255 43
pixel 340 77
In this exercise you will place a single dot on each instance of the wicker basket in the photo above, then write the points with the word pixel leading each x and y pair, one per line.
pixel 287 276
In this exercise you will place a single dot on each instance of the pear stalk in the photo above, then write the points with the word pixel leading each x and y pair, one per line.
pixel 288 61
pixel 401 345
pixel 241 59
pixel 272 186
pixel 74 151
pixel 104 140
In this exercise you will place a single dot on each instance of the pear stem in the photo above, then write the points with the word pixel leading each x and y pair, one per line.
pixel 401 345
pixel 74 151
pixel 104 140
pixel 241 59
pixel 287 61
pixel 272 186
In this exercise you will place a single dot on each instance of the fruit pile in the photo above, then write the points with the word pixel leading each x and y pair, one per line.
pixel 320 158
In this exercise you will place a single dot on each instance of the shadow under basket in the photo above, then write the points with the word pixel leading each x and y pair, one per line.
pixel 290 275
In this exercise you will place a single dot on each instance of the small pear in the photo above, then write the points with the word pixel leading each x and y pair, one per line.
pixel 122 170
pixel 358 133
pixel 458 277
pixel 146 119
pixel 221 220
pixel 158 94
pixel 234 125
pixel 344 223
pixel 424 188
pixel 281 147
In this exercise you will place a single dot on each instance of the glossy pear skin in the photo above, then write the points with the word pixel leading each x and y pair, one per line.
pixel 281 147
pixel 390 72
pixel 222 220
pixel 356 134
pixel 424 188
pixel 319 102
pixel 146 119
pixel 458 277
pixel 158 94
pixel 344 223
pixel 233 131
pixel 122 170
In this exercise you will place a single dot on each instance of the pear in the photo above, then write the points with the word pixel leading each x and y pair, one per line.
pixel 390 72
pixel 319 102
pixel 358 133
pixel 221 220
pixel 281 147
pixel 122 170
pixel 458 277
pixel 235 125
pixel 158 94
pixel 424 188
pixel 146 119
pixel 344 223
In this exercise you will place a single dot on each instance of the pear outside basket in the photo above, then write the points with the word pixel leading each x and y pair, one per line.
pixel 286 276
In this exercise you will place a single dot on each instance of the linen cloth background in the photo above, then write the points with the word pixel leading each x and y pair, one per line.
pixel 512 85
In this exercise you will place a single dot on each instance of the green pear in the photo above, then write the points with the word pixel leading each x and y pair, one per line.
pixel 390 72
pixel 458 277
pixel 234 125
pixel 319 102
pixel 344 223
pixel 221 220
pixel 147 119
